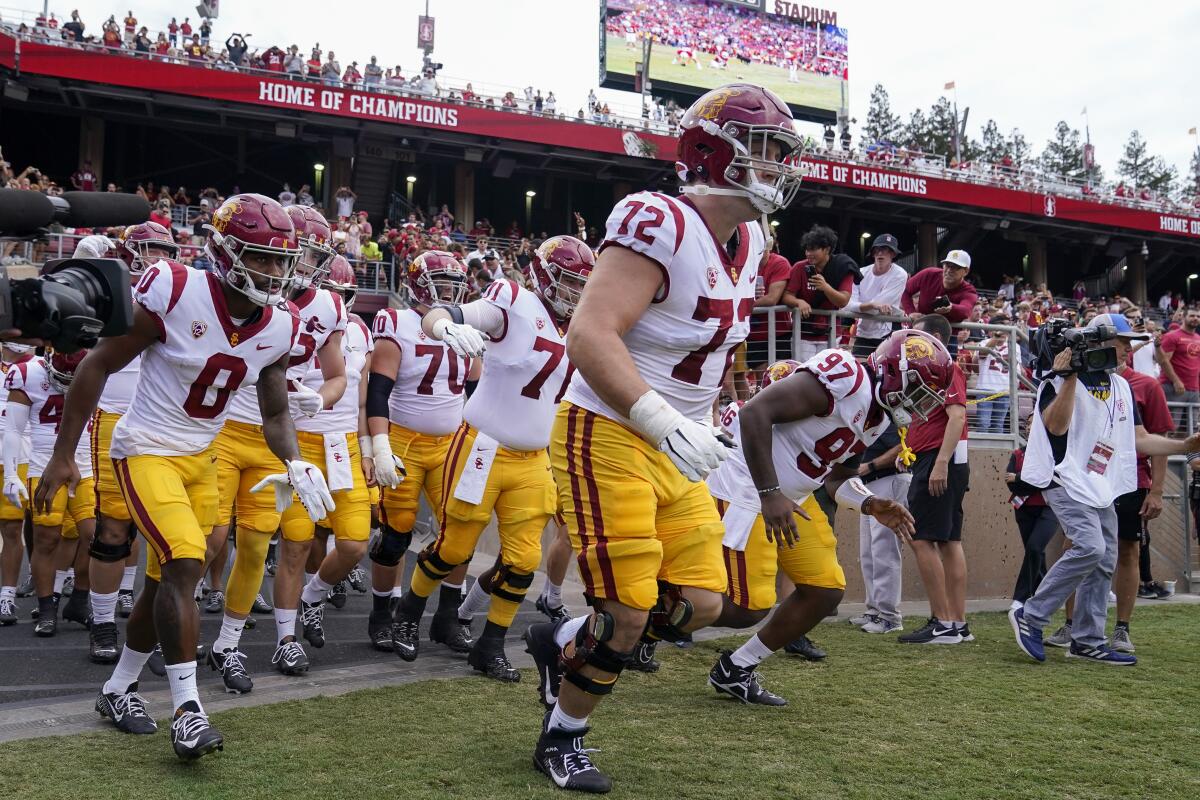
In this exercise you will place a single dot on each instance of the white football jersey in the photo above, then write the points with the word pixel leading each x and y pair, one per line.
pixel 525 371
pixel 118 389
pixel 321 313
pixel 45 415
pixel 5 366
pixel 343 417
pixel 805 451
pixel 684 341
pixel 428 394
pixel 200 360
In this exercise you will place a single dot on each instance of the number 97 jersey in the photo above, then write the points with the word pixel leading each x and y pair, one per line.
pixel 805 451
pixel 684 341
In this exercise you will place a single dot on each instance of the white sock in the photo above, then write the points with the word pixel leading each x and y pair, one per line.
pixel 475 602
pixel 104 607
pixel 398 589
pixel 127 579
pixel 71 572
pixel 60 577
pixel 230 635
pixel 955 623
pixel 377 593
pixel 315 590
pixel 449 585
pixel 285 623
pixel 751 654
pixel 308 576
pixel 8 593
pixel 183 684
pixel 553 594
pixel 569 629
pixel 128 670
pixel 559 719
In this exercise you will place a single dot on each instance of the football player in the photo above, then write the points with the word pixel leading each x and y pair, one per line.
pixel 498 459
pixel 805 432
pixel 332 439
pixel 244 458
pixel 12 517
pixel 113 562
pixel 414 405
pixel 35 402
pixel 202 335
pixel 670 299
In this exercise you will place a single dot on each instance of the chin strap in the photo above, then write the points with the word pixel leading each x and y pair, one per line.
pixel 701 189
pixel 907 456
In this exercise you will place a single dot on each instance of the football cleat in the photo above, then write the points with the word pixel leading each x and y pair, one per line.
pixel 744 684
pixel 126 710
pixel 68 587
pixel 45 626
pixel 492 662
pixel 642 658
pixel 102 643
pixel 216 602
pixel 232 666
pixel 310 617
pixel 125 603
pixel 805 648
pixel 261 606
pixel 8 611
pixel 539 643
pixel 192 736
pixel 337 595
pixel 406 639
pixel 379 630
pixel 156 663
pixel 561 756
pixel 272 565
pixel 76 609
pixel 26 589
pixel 357 580
pixel 290 658
pixel 450 632
pixel 554 613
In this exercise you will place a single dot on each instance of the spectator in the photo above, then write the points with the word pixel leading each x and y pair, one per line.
pixel 1164 303
pixel 331 71
pixel 550 105
pixel 304 196
pixel 879 547
pixel 773 275
pixel 942 290
pixel 141 42
pixel 202 217
pixel 373 73
pixel 273 59
pixel 1179 357
pixel 878 293
pixel 196 51
pixel 820 281
pixel 205 31
pixel 352 77
pixel 1035 522
pixel 1008 288
pixel 353 238
pixel 293 64
pixel 161 214
pixel 344 197
pixel 84 179
pixel 364 225
pixel 130 27
pixel 370 251
pixel 940 479
pixel 112 34
pixel 315 69
pixel 482 250
pixel 994 364
pixel 458 235
pixel 172 31
pixel 1144 356
pixel 236 46
pixel 287 197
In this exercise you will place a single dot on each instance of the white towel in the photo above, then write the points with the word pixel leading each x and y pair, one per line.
pixel 738 521
pixel 473 480
pixel 337 462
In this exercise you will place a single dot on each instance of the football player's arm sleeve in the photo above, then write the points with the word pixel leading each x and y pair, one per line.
pixel 278 429
pixel 487 315
pixel 379 390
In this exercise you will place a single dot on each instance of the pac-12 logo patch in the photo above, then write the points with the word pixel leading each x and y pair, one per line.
pixel 541 323
pixel 198 328
pixel 712 277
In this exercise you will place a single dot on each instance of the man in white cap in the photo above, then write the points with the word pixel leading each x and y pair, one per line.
pixel 942 290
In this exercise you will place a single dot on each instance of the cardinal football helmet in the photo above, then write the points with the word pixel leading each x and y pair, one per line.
pixel 315 238
pixel 137 243
pixel 341 280
pixel 251 224
pixel 913 371
pixel 559 268
pixel 435 277
pixel 777 372
pixel 61 367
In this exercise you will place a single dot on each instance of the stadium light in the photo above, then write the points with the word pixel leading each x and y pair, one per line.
pixel 531 193
pixel 1191 278
pixel 411 179
pixel 866 235
pixel 774 223
pixel 318 167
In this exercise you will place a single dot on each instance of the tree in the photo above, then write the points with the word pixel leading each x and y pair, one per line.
pixel 995 146
pixel 1018 147
pixel 916 132
pixel 1135 163
pixel 1162 176
pixel 1063 154
pixel 1194 172
pixel 941 128
pixel 882 125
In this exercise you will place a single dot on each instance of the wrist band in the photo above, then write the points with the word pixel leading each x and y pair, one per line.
pixel 768 490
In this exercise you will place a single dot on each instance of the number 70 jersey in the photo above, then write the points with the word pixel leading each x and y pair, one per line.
pixel 427 397
pixel 684 341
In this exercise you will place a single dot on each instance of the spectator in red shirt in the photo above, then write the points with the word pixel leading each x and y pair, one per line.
pixel 942 290
pixel 774 273
pixel 173 31
pixel 941 477
pixel 822 281
pixel 1179 357
pixel 186 27
pixel 272 59
pixel 84 179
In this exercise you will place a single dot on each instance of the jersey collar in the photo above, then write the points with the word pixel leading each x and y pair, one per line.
pixel 236 334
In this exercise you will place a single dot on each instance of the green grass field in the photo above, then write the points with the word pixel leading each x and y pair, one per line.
pixel 817 91
pixel 877 720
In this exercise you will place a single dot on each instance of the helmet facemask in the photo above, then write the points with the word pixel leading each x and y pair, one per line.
pixel 769 180
pixel 243 279
pixel 566 291
pixel 915 398
pixel 141 257
pixel 446 286
pixel 312 265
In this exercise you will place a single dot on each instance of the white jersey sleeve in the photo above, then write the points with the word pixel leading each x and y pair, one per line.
pixel 45 417
pixel 5 369
pixel 427 396
pixel 343 417
pixel 322 314
pixel 839 373
pixel 647 224
pixel 118 389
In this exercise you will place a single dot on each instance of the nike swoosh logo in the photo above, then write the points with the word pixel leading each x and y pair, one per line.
pixel 186 677
pixel 262 347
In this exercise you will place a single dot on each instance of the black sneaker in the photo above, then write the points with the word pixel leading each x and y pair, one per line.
pixel 932 632
pixel 1159 592
pixel 102 643
pixel 1146 592
pixel 261 606
pixel 539 643
pixel 45 626
pixel 561 756
pixel 452 633
pixel 337 595
pixel 126 710
pixel 554 613
pixel 8 611
pixel 290 658
pixel 357 580
pixel 68 587
pixel 215 603
pixel 26 589
pixel 125 603
pixel 192 735
pixel 642 658
pixel 493 663
pixel 964 631
pixel 379 630
pixel 156 663
pixel 406 641
pixel 728 678
pixel 310 617
pixel 232 666
pixel 76 609
pixel 805 648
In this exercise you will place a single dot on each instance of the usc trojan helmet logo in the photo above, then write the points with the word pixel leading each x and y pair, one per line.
pixel 224 214
pixel 714 102
pixel 916 348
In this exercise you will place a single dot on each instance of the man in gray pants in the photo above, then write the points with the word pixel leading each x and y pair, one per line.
pixel 879 548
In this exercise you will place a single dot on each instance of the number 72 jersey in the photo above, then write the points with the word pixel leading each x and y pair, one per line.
pixel 684 341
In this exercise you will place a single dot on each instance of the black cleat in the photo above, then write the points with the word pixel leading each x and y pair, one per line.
pixel 553 613
pixel 493 663
pixel 76 609
pixel 102 643
pixel 379 630
pixel 560 755
pixel 642 658
pixel 125 603
pixel 290 658
pixel 539 643
pixel 215 603
pixel 156 663
pixel 232 666
pixel 8 611
pixel 357 580
pixel 452 633
pixel 805 648
pixel 127 711
pixel 337 595
pixel 728 678
pixel 45 626
pixel 26 589
pixel 271 566
pixel 406 641
pixel 310 617
pixel 261 606
pixel 192 735
pixel 68 587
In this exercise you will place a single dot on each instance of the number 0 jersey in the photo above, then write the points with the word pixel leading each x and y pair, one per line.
pixel 804 452
pixel 200 359
pixel 428 394
pixel 45 415
pixel 684 341
pixel 343 417
pixel 525 369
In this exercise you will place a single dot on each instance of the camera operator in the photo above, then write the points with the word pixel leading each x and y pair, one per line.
pixel 1083 449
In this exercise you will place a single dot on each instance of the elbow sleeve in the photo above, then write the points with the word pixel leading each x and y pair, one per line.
pixel 379 390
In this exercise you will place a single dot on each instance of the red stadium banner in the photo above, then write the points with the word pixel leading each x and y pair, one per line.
pixel 81 65
pixel 8 52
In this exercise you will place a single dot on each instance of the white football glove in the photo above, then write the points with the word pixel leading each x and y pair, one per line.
pixel 14 489
pixel 307 481
pixel 306 400
pixel 693 447
pixel 462 339
pixel 389 469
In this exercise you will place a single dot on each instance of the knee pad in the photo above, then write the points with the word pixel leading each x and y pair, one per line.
pixel 590 648
pixel 110 553
pixel 670 614
pixel 433 565
pixel 390 547
pixel 511 585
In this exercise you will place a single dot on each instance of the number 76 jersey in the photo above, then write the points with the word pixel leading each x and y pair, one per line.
pixel 200 359
pixel 684 341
